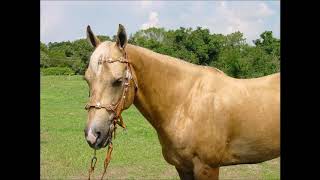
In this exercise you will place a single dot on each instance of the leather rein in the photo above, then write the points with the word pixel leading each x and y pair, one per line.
pixel 115 108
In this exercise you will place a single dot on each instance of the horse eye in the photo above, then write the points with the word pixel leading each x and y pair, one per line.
pixel 117 82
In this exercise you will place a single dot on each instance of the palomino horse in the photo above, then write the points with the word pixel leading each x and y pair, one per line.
pixel 204 119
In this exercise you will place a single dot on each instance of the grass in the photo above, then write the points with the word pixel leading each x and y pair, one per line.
pixel 65 153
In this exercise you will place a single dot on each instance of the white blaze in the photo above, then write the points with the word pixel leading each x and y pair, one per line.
pixel 91 138
pixel 102 51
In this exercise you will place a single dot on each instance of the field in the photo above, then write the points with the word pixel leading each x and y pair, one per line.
pixel 65 153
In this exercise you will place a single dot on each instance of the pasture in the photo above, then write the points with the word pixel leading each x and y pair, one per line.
pixel 65 153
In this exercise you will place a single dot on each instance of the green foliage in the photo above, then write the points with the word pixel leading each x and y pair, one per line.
pixel 230 52
pixel 104 38
pixel 246 62
pixel 268 43
pixel 43 47
pixel 44 59
pixel 57 71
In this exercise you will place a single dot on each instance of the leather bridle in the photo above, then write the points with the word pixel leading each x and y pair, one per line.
pixel 115 108
pixel 118 107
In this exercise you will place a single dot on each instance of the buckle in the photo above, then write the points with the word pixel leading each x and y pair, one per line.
pixel 98 105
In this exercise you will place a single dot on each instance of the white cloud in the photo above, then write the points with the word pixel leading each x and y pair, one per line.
pixel 223 4
pixel 264 10
pixel 248 18
pixel 153 21
pixel 145 4
pixel 65 20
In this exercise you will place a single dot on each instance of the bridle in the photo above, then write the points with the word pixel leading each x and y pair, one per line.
pixel 118 107
pixel 115 108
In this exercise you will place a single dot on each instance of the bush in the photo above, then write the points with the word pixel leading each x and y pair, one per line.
pixel 57 71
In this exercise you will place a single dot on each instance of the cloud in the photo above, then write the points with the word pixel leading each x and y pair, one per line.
pixel 141 8
pixel 153 21
pixel 264 10
pixel 65 20
pixel 222 4
pixel 145 4
pixel 249 18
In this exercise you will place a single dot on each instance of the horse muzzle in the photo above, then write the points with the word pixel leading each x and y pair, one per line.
pixel 98 137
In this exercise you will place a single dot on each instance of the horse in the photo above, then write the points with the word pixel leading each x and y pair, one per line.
pixel 204 118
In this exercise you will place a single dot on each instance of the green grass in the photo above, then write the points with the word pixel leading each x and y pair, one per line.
pixel 65 153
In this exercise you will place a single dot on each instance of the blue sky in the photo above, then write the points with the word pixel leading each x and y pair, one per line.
pixel 67 20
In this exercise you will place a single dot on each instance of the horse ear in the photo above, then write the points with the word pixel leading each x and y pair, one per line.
pixel 94 41
pixel 121 37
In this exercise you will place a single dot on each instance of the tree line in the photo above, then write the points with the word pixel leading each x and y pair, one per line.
pixel 229 53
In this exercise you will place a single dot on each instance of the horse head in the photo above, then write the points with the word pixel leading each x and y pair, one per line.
pixel 111 87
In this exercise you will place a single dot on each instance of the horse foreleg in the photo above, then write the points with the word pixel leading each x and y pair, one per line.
pixel 185 175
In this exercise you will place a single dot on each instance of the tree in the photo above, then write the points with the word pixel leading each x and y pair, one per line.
pixel 230 52
pixel 44 59
pixel 43 47
pixel 268 43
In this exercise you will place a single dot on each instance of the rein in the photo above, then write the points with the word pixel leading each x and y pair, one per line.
pixel 115 108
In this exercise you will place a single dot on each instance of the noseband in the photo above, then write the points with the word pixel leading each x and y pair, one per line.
pixel 117 108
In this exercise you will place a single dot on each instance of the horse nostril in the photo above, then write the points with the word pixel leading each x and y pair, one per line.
pixel 98 134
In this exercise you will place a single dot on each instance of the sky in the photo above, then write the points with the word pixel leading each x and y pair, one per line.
pixel 67 20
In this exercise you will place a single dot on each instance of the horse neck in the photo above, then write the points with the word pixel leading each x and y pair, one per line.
pixel 163 83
